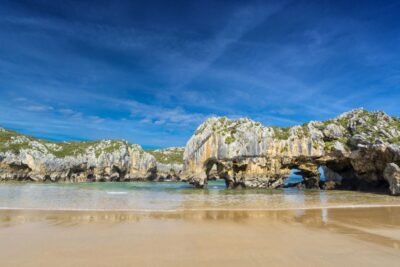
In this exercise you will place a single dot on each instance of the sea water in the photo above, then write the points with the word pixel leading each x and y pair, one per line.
pixel 176 196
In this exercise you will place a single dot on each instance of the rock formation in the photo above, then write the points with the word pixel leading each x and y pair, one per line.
pixel 353 149
pixel 169 162
pixel 26 158
pixel 359 150
pixel 392 175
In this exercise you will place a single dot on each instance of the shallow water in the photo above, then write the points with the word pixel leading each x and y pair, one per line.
pixel 176 196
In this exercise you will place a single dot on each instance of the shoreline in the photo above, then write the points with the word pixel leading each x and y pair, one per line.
pixel 349 206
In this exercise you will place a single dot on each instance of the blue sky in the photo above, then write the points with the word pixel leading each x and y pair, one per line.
pixel 152 71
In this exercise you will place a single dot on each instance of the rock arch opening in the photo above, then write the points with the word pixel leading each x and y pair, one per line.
pixel 215 170
pixel 301 179
pixel 228 171
pixel 294 179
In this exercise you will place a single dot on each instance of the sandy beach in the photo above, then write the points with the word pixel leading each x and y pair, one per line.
pixel 308 237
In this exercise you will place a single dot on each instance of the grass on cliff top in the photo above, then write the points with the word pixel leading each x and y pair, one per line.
pixel 172 157
pixel 71 149
pixel 78 148
pixel 6 136
pixel 63 149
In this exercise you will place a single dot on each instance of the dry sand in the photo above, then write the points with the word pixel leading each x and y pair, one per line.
pixel 329 237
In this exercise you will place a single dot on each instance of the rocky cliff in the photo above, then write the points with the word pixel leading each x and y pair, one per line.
pixel 26 158
pixel 169 162
pixel 358 150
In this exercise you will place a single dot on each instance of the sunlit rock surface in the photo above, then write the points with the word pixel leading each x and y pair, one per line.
pixel 26 158
pixel 353 149
pixel 392 175
pixel 169 162
pixel 359 150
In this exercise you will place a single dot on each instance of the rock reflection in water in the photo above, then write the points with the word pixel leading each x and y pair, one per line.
pixel 376 217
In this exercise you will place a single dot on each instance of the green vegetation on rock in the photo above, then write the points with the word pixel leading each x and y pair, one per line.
pixel 229 140
pixel 7 142
pixel 70 149
pixel 15 142
pixel 395 140
pixel 281 133
pixel 66 149
pixel 329 145
pixel 168 155
pixel 305 132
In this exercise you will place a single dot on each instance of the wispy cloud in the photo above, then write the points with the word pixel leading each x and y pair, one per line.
pixel 152 75
pixel 151 113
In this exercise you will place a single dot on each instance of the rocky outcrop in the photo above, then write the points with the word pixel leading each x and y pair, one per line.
pixel 26 158
pixel 359 150
pixel 392 175
pixel 353 149
pixel 169 162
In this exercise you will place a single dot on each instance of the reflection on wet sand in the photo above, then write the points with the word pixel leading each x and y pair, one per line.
pixel 312 237
pixel 382 216
pixel 360 222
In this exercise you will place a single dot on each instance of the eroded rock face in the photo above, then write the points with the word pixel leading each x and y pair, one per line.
pixel 169 163
pixel 26 158
pixel 353 148
pixel 392 175
pixel 248 154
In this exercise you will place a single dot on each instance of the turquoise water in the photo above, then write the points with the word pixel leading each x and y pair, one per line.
pixel 173 196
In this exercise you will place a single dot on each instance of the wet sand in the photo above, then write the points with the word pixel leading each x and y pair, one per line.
pixel 307 237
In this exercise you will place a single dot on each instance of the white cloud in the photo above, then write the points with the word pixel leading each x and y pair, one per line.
pixel 38 108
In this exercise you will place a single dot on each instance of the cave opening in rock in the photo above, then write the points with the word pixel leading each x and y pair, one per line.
pixel 294 177
pixel 90 178
pixel 300 178
pixel 211 167
pixel 321 173
pixel 216 171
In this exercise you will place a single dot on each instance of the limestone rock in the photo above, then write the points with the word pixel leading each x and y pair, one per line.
pixel 249 154
pixel 333 131
pixel 392 175
pixel 27 158
pixel 355 147
pixel 169 162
